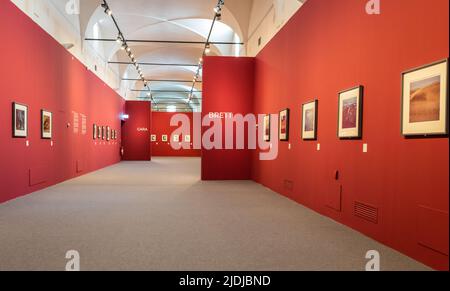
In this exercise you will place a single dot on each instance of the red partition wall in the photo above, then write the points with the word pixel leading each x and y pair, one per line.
pixel 227 89
pixel 333 45
pixel 136 131
pixel 161 126
pixel 36 71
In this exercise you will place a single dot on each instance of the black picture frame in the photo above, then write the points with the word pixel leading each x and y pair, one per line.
pixel 316 120
pixel 267 138
pixel 288 113
pixel 360 123
pixel 94 131
pixel 444 133
pixel 43 113
pixel 14 129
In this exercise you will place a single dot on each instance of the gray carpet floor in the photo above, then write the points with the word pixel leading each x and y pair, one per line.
pixel 159 216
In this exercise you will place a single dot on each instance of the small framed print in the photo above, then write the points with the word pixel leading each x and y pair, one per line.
pixel 187 138
pixel 20 120
pixel 165 138
pixel 46 124
pixel 266 128
pixel 425 100
pixel 108 133
pixel 115 135
pixel 284 125
pixel 99 132
pixel 94 131
pixel 310 120
pixel 153 138
pixel 176 138
pixel 103 133
pixel 350 113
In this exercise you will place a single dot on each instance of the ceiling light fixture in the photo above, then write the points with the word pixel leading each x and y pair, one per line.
pixel 207 49
pixel 121 40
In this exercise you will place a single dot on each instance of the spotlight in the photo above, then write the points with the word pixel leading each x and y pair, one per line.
pixel 123 47
pixel 208 48
pixel 128 49
pixel 119 39
pixel 108 11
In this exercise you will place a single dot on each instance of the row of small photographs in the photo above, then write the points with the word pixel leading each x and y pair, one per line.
pixel 104 133
pixel 20 122
pixel 424 108
pixel 165 138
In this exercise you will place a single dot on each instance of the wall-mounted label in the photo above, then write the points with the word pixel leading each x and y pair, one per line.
pixel 140 129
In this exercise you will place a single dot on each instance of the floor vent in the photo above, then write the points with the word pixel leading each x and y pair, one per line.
pixel 366 212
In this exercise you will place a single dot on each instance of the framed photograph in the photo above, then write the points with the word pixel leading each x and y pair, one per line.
pixel 20 120
pixel 165 138
pixel 94 131
pixel 310 118
pixel 425 100
pixel 46 124
pixel 284 125
pixel 266 128
pixel 187 138
pixel 153 138
pixel 350 113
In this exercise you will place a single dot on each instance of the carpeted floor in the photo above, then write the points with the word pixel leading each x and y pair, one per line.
pixel 160 216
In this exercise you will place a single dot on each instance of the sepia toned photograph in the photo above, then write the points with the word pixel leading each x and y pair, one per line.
pixel 284 125
pixel 47 124
pixel 425 100
pixel 266 128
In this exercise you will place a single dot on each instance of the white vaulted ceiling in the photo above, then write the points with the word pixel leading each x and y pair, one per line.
pixel 253 22
pixel 168 20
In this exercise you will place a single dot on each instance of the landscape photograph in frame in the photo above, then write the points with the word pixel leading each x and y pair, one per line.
pixel 425 100
pixel 350 113
pixel 310 115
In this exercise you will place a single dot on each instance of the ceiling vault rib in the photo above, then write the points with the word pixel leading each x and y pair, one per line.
pixel 168 41
pixel 154 64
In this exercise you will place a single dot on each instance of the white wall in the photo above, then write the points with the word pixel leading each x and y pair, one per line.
pixel 266 19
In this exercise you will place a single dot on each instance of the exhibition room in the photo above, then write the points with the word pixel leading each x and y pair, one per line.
pixel 224 135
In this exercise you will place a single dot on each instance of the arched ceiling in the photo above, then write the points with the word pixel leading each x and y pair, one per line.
pixel 166 20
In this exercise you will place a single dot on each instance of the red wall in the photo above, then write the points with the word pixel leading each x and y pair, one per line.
pixel 161 126
pixel 227 87
pixel 332 45
pixel 35 70
pixel 136 131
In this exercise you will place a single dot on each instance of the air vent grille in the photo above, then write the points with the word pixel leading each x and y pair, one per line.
pixel 366 212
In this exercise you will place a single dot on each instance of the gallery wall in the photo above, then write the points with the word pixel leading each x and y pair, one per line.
pixel 38 72
pixel 136 131
pixel 402 183
pixel 161 126
pixel 227 88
